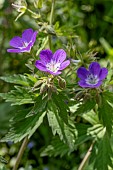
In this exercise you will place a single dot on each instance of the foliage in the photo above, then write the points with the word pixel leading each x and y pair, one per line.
pixel 61 118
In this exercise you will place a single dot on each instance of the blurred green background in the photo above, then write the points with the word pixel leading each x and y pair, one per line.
pixel 80 26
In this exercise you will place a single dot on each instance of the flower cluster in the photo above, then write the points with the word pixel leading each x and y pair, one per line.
pixel 55 63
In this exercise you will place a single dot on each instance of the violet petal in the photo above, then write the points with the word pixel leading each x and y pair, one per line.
pixel 40 66
pixel 82 73
pixel 59 56
pixel 53 73
pixel 16 42
pixel 45 56
pixel 84 84
pixel 27 35
pixel 27 49
pixel 14 50
pixel 94 68
pixel 103 73
pixel 34 37
pixel 64 65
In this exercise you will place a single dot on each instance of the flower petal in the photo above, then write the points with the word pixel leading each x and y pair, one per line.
pixel 45 56
pixel 16 42
pixel 83 84
pixel 94 68
pixel 27 35
pixel 34 37
pixel 57 73
pixel 82 73
pixel 59 56
pixel 64 65
pixel 40 66
pixel 14 50
pixel 103 73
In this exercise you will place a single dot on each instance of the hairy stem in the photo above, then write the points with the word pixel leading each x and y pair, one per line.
pixel 84 161
pixel 20 153
pixel 51 20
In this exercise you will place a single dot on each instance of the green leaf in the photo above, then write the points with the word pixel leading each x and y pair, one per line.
pixel 108 96
pixel 82 135
pixel 16 79
pixel 57 147
pixel 24 127
pixel 106 114
pixel 60 102
pixel 104 154
pixel 3 167
pixel 85 107
pixel 66 133
pixel 91 117
pixel 97 131
pixel 3 160
pixel 19 96
pixel 39 105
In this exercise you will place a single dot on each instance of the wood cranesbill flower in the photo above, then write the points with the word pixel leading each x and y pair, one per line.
pixel 24 43
pixel 93 77
pixel 52 63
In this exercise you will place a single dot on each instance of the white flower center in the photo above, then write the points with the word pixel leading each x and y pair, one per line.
pixel 53 66
pixel 25 44
pixel 92 79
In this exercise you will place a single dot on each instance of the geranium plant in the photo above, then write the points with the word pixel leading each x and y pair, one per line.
pixel 61 90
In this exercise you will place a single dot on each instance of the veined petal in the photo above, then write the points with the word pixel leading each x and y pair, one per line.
pixel 26 49
pixel 94 68
pixel 27 35
pixel 33 39
pixel 16 42
pixel 64 65
pixel 98 84
pixel 59 56
pixel 82 73
pixel 14 50
pixel 45 56
pixel 103 73
pixel 40 66
pixel 83 84
pixel 57 73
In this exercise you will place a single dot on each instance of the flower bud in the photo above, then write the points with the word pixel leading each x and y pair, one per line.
pixel 62 83
pixel 79 95
pixel 43 88
pixel 50 30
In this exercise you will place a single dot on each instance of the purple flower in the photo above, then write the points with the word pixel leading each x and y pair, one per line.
pixel 93 77
pixel 52 63
pixel 24 43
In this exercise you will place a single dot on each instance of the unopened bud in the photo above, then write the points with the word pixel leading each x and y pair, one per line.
pixel 62 83
pixel 38 83
pixel 43 88
pixel 50 30
pixel 87 97
pixel 79 95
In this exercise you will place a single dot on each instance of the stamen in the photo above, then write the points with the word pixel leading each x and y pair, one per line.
pixel 53 66
pixel 92 79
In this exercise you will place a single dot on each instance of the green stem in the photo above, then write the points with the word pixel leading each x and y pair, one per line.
pixel 84 161
pixel 20 153
pixel 51 20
